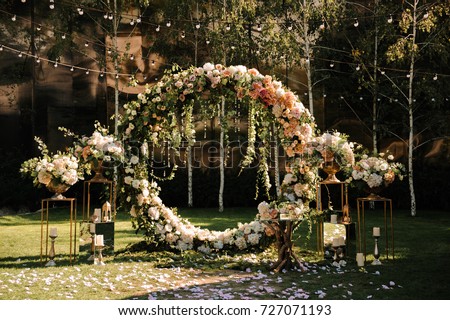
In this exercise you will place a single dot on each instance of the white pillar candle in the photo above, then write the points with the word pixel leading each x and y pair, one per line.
pixel 376 231
pixel 92 227
pixel 53 232
pixel 335 242
pixel 333 218
pixel 99 240
pixel 360 259
pixel 98 212
pixel 341 241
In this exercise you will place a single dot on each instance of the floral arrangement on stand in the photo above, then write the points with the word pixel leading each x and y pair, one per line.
pixel 92 151
pixel 335 153
pixel 56 171
pixel 375 172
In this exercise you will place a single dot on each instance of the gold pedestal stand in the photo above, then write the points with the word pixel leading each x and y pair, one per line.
pixel 73 226
pixel 362 223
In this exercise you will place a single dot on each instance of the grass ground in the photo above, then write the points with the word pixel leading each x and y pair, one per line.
pixel 420 269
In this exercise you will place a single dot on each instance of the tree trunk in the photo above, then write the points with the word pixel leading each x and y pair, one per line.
pixel 375 88
pixel 308 61
pixel 189 169
pixel 411 114
pixel 222 155
pixel 276 160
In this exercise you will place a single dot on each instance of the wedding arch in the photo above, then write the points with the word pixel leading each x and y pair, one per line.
pixel 162 116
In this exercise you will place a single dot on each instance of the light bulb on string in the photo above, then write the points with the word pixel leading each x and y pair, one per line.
pixel 86 44
pixel 233 47
pixel 23 1
pixel 39 27
pixel 432 99
pixel 38 60
pixel 110 16
pixel 153 62
pixel 322 26
pixel 117 76
pixel 101 74
pixel 356 23
pixel 331 65
pixel 14 18
pixel 169 23
pixel 72 68
pixel 20 54
pixel 382 72
pixel 105 16
pixel 109 50
pixel 324 95
pixel 132 57
pixel 390 19
pixel 51 5
pixel 259 28
pixel 197 25
pixel 139 19
pixel 1 47
pixel 208 41
pixel 425 16
pixel 228 27
pixel 80 11
pixel 408 75
pixel 158 28
pixel 289 26
pixel 87 71
pixel 183 34
pixel 63 36
pixel 435 77
pixel 358 67
pixel 361 98
pixel 56 64
pixel 132 22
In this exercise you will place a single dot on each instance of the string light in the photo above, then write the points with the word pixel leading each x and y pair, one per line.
pixel 1 47
pixel 38 60
pixel 425 16
pixel 63 36
pixel 87 71
pixel 23 1
pixel 105 16
pixel 139 19
pixel 169 23
pixel 390 19
pixel 109 51
pixel 322 26
pixel 14 18
pixel 208 41
pixel 110 16
pixel 158 28
pixel 132 57
pixel 52 4
pixel 56 64
pixel 101 74
pixel 20 54
pixel 358 67
pixel 289 26
pixel 117 76
pixel 153 62
pixel 39 27
pixel 72 68
pixel 86 44
pixel 228 27
pixel 80 11
pixel 356 23
pixel 183 34
pixel 259 28
pixel 435 77
pixel 197 25
pixel 132 22
pixel 331 65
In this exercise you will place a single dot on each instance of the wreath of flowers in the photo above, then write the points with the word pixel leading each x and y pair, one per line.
pixel 162 115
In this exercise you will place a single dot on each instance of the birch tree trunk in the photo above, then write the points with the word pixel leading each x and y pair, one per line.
pixel 222 155
pixel 411 113
pixel 308 59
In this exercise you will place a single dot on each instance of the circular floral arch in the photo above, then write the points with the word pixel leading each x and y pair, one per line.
pixel 162 115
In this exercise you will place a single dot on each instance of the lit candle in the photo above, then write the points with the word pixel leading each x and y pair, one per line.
pixel 376 231
pixel 335 242
pixel 334 218
pixel 92 227
pixel 53 232
pixel 99 240
pixel 360 259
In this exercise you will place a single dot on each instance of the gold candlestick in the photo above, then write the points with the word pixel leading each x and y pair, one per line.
pixel 376 253
pixel 51 253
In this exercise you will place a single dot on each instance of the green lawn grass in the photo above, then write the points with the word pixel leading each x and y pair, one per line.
pixel 420 269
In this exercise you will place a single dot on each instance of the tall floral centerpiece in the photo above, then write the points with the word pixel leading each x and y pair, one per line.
pixel 96 149
pixel 57 172
pixel 375 172
pixel 335 153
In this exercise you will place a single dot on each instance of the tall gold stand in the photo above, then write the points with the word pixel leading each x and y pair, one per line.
pixel 87 197
pixel 73 226
pixel 319 206
pixel 362 223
